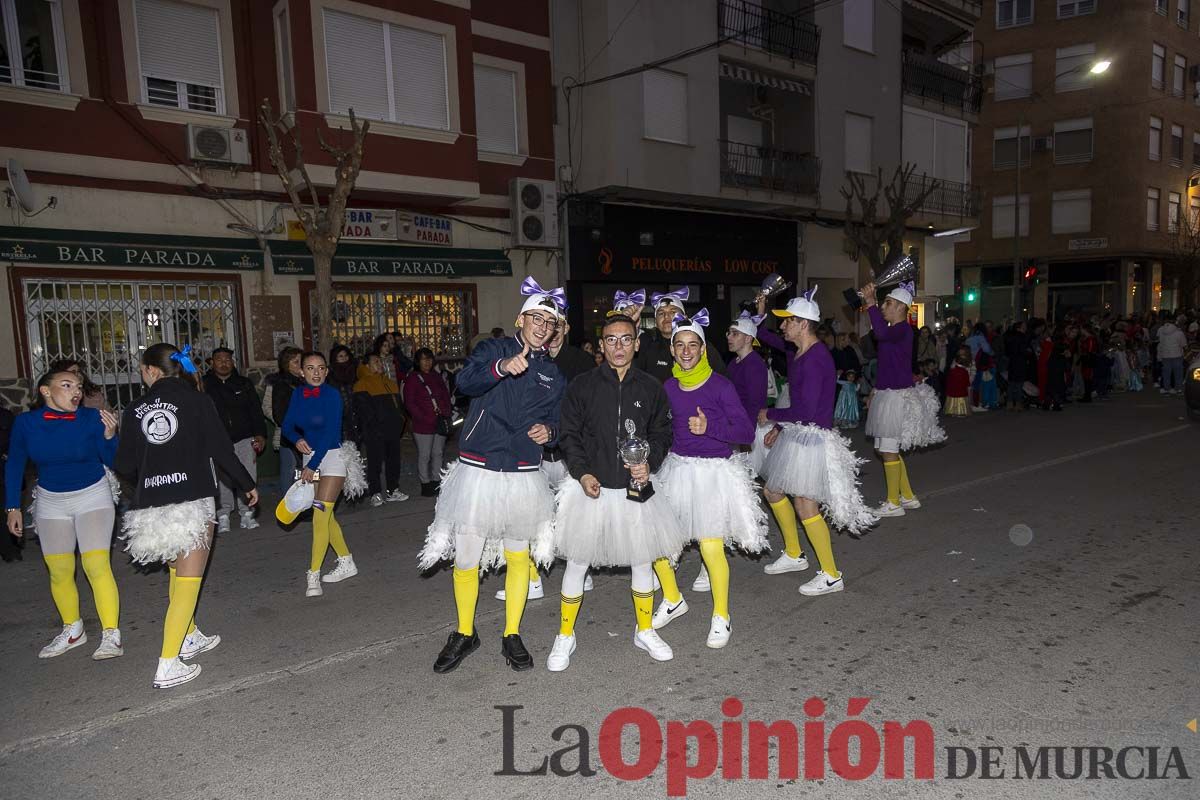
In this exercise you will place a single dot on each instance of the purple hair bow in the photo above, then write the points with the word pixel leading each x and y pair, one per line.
pixel 755 318
pixel 679 294
pixel 530 287
pixel 621 299
pixel 699 318
pixel 810 294
pixel 908 286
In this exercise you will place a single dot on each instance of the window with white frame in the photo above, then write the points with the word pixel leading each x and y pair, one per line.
pixel 1071 66
pixel 1152 209
pixel 1010 13
pixel 1073 141
pixel 665 105
pixel 1158 66
pixel 1175 157
pixel 1003 208
pixel 1004 147
pixel 1155 139
pixel 858 24
pixel 1014 76
pixel 283 51
pixel 179 53
pixel 33 49
pixel 385 71
pixel 1181 13
pixel 1071 211
pixel 497 124
pixel 1173 201
pixel 858 130
pixel 1178 76
pixel 1075 8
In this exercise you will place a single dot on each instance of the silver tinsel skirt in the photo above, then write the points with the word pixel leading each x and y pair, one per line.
pixel 164 533
pixel 715 498
pixel 908 415
pixel 817 463
pixel 611 530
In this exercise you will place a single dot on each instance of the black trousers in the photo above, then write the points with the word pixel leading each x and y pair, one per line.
pixel 383 455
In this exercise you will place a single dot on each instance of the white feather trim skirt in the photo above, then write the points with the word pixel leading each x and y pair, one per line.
pixel 758 450
pixel 908 415
pixel 817 463
pixel 344 462
pixel 494 506
pixel 164 533
pixel 613 531
pixel 555 472
pixel 715 498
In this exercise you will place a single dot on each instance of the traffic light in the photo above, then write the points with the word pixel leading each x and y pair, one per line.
pixel 972 294
pixel 1030 275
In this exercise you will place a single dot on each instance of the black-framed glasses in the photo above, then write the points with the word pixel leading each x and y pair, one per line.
pixel 543 322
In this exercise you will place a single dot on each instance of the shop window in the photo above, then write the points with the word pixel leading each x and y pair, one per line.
pixel 438 319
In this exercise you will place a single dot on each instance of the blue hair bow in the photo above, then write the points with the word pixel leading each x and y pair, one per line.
pixel 530 287
pixel 184 359
pixel 679 294
pixel 620 299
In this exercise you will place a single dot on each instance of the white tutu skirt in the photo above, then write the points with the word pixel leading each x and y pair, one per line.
pixel 817 463
pixel 908 415
pixel 494 506
pixel 344 462
pixel 758 450
pixel 715 498
pixel 555 472
pixel 613 531
pixel 164 533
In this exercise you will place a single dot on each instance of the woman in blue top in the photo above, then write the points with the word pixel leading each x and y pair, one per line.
pixel 314 423
pixel 71 445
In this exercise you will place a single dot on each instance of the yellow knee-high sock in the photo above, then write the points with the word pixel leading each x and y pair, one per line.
pixel 818 535
pixel 62 585
pixel 891 472
pixel 785 516
pixel 516 589
pixel 320 540
pixel 568 610
pixel 643 606
pixel 713 553
pixel 906 490
pixel 179 614
pixel 171 596
pixel 336 540
pixel 533 572
pixel 666 577
pixel 466 593
pixel 98 566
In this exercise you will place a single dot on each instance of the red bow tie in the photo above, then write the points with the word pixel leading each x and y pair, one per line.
pixel 55 415
pixel 313 392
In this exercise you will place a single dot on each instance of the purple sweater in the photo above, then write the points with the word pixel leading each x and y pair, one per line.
pixel 812 380
pixel 749 378
pixel 895 347
pixel 728 423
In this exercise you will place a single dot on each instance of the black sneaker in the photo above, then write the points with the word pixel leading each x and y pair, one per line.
pixel 458 647
pixel 515 653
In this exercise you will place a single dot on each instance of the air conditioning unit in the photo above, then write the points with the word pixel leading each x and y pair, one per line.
pixel 218 145
pixel 534 213
pixel 1043 144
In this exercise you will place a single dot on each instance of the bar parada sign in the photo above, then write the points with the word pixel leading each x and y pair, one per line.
pixel 84 248
pixel 401 262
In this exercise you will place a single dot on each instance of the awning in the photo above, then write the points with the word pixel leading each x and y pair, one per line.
pixel 101 248
pixel 740 72
pixel 393 260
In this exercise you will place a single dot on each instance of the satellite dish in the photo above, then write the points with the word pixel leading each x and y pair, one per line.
pixel 21 188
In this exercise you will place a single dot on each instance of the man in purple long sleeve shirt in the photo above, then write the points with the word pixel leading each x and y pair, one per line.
pixel 747 371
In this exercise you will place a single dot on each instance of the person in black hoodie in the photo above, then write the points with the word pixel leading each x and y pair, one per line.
pixel 654 347
pixel 278 394
pixel 172 443
pixel 240 409
pixel 343 372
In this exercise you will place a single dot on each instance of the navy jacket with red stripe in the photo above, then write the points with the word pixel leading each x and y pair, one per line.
pixel 503 407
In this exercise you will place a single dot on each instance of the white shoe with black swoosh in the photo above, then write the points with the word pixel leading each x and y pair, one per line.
pixel 666 613
pixel 719 632
pixel 823 584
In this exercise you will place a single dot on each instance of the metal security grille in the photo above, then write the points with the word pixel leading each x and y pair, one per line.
pixel 104 325
pixel 439 320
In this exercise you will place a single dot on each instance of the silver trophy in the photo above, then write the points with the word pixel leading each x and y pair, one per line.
pixel 772 285
pixel 893 273
pixel 635 450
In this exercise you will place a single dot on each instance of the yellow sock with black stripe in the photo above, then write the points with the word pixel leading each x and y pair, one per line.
pixel 785 516
pixel 906 491
pixel 97 564
pixel 466 594
pixel 516 589
pixel 171 596
pixel 179 614
pixel 62 585
pixel 818 535
pixel 534 577
pixel 713 553
pixel 643 606
pixel 891 472
pixel 666 578
pixel 568 612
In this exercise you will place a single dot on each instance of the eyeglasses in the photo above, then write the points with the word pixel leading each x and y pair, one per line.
pixel 624 341
pixel 540 321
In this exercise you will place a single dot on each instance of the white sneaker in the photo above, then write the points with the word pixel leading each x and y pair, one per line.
pixel 345 569
pixel 587 582
pixel 719 632
pixel 979 409
pixel 911 504
pixel 786 563
pixel 314 584
pixel 653 644
pixel 376 500
pixel 223 523
pixel 69 638
pixel 173 672
pixel 560 653
pixel 701 583
pixel 396 496
pixel 110 645
pixel 889 509
pixel 667 613
pixel 249 523
pixel 823 584
pixel 196 643
pixel 536 592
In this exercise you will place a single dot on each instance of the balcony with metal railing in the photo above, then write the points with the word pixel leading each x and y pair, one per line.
pixel 934 81
pixel 749 24
pixel 748 166
pixel 948 198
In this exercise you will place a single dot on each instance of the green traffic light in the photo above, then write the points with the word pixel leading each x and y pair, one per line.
pixel 970 297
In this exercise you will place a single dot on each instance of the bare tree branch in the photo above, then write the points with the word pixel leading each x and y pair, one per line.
pixel 878 237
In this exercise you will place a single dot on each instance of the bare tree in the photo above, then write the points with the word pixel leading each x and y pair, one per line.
pixel 323 225
pixel 873 228
pixel 1182 266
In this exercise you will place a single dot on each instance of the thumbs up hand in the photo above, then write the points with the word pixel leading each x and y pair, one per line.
pixel 517 364
pixel 699 423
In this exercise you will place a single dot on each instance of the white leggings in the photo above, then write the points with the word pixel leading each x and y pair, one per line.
pixel 573 575
pixel 91 530
pixel 468 549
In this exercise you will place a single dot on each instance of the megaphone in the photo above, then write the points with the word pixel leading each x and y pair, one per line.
pixel 895 272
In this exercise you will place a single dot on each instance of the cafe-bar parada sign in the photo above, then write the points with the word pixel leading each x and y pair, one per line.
pixel 370 223
pixel 389 225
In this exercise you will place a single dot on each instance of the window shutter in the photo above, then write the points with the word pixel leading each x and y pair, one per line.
pixel 858 143
pixel 664 105
pixel 1072 58
pixel 356 65
pixel 179 42
pixel 419 78
pixel 1071 212
pixel 1014 76
pixel 496 109
pixel 1073 141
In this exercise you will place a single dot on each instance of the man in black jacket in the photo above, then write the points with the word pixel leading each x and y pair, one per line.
pixel 654 347
pixel 240 408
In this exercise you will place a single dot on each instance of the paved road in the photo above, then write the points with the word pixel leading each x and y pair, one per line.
pixel 1077 629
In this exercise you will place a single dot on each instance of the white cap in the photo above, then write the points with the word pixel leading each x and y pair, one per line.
pixel 745 325
pixel 903 293
pixel 696 324
pixel 542 302
pixel 803 306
